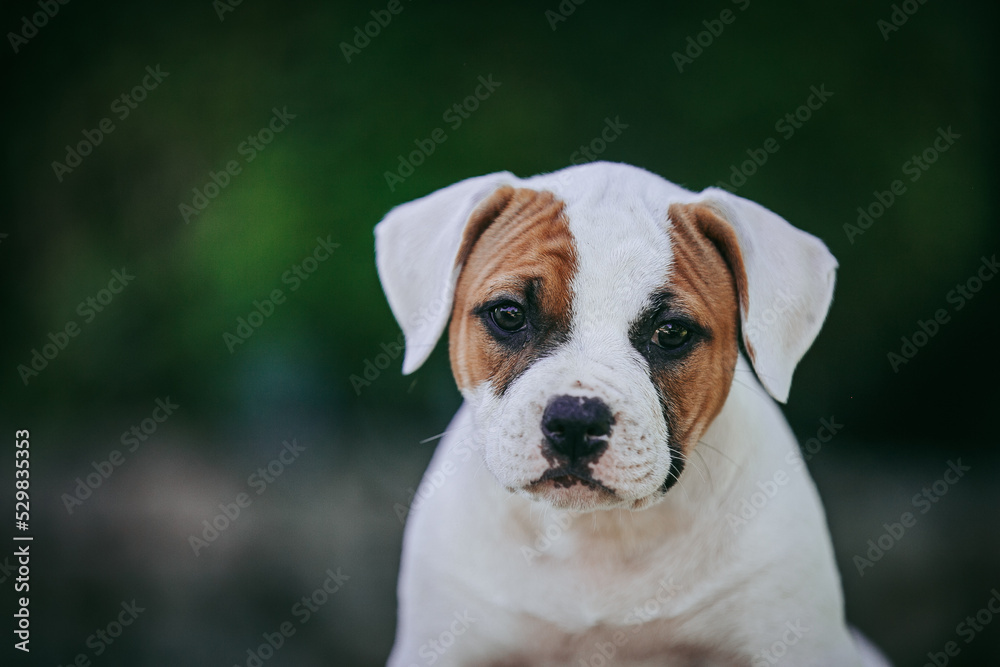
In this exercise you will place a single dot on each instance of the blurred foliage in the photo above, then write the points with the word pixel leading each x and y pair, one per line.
pixel 324 175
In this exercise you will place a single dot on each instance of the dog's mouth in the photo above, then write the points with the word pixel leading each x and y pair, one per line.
pixel 564 477
pixel 570 487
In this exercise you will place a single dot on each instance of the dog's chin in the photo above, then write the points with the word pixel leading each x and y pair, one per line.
pixel 570 492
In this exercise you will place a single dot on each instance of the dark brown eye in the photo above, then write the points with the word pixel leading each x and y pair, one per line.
pixel 508 316
pixel 671 335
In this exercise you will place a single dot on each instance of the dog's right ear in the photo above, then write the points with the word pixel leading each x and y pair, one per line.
pixel 419 250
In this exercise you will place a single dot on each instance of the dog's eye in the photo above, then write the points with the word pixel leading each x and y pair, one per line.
pixel 508 316
pixel 671 335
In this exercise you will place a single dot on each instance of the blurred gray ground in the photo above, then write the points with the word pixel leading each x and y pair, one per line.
pixel 332 508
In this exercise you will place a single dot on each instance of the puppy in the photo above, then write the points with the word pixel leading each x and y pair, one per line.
pixel 615 338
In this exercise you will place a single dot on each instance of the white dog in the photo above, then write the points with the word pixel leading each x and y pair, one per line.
pixel 584 507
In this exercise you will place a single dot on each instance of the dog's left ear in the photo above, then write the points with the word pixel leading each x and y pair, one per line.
pixel 784 277
pixel 419 248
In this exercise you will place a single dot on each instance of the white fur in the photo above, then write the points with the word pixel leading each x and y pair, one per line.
pixel 550 587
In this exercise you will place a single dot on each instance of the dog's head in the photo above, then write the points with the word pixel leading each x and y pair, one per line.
pixel 596 318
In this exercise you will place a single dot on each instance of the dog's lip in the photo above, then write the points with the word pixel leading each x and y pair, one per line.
pixel 565 477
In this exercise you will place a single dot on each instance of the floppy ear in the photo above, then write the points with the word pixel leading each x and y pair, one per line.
pixel 419 248
pixel 784 277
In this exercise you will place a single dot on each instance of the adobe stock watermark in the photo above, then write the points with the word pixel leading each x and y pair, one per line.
pixel 372 29
pixel 923 501
pixel 122 106
pixel 593 150
pixel 435 647
pixel 432 483
pixel 595 147
pixel 263 309
pixel 562 12
pixel 88 309
pixel 915 167
pixel 604 652
pixel 258 481
pixel 759 323
pixel 103 638
pixel 772 655
pixel 223 7
pixel 898 17
pixel 786 126
pixel 555 528
pixel 131 440
pixel 959 296
pixel 248 149
pixel 372 370
pixel 301 611
pixel 968 630
pixel 750 506
pixel 696 45
pixel 31 25
pixel 455 116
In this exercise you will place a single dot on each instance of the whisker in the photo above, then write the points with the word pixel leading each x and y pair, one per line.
pixel 721 453
pixel 708 469
pixel 446 432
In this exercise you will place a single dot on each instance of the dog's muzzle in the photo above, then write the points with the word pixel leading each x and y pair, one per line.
pixel 576 431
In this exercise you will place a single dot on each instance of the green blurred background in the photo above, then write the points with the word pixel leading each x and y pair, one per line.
pixel 323 176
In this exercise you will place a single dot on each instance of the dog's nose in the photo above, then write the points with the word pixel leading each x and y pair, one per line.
pixel 575 426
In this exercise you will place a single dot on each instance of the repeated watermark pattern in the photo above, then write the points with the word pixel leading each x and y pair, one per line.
pixel 604 652
pixel 749 507
pixel 595 147
pixel 968 630
pixel 695 45
pixel 914 168
pixel 546 537
pixel 248 149
pixel 104 637
pixel 131 439
pixel 372 369
pixel 562 12
pixel 772 655
pixel 122 106
pixel 923 501
pixel 958 297
pixel 432 483
pixel 898 17
pixel 223 7
pixel 302 611
pixel 264 308
pixel 786 126
pixel 435 647
pixel 364 34
pixel 455 115
pixel 258 481
pixel 88 309
pixel 31 24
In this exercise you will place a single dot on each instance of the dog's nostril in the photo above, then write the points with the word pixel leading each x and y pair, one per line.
pixel 556 428
pixel 575 426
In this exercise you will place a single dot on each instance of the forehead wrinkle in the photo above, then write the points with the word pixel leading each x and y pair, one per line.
pixel 686 265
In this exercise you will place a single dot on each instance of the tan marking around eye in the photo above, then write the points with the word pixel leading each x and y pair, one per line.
pixel 516 237
pixel 708 278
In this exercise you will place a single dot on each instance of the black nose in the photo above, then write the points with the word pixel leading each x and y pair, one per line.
pixel 575 426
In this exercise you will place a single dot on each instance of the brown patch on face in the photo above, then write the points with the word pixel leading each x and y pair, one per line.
pixel 708 284
pixel 518 248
